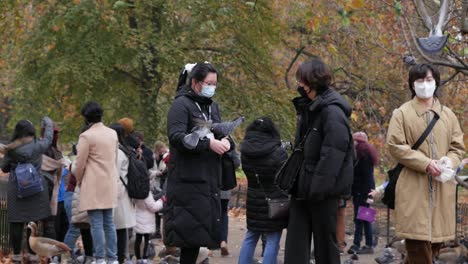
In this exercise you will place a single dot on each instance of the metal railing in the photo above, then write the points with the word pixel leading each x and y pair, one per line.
pixel 4 226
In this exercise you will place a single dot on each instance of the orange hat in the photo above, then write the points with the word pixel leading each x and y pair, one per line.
pixel 127 124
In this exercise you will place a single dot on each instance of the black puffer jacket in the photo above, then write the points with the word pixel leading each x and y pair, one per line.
pixel 262 155
pixel 193 211
pixel 327 171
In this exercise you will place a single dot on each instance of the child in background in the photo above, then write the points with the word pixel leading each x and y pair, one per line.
pixel 145 224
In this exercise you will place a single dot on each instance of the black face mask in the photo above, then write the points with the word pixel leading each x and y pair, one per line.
pixel 302 92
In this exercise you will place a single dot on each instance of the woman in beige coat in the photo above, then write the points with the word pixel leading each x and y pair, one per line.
pixel 125 212
pixel 96 173
pixel 424 206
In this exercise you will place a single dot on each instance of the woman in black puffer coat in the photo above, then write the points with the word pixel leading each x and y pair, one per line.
pixel 262 156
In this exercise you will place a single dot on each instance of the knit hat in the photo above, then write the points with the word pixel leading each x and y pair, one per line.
pixel 127 124
pixel 360 136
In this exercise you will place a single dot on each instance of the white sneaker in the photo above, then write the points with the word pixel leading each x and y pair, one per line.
pixel 202 254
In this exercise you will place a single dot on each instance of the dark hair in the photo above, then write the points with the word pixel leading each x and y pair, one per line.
pixel 315 74
pixel 139 136
pixel 24 128
pixel 92 112
pixel 419 71
pixel 120 132
pixel 199 73
pixel 366 150
pixel 266 125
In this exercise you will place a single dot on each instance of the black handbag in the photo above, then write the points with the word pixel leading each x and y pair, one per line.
pixel 394 173
pixel 278 208
pixel 288 173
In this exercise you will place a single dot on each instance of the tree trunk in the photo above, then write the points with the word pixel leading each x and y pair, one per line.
pixel 150 80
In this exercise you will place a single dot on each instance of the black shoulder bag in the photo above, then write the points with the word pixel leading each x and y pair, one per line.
pixel 393 174
pixel 288 173
pixel 278 208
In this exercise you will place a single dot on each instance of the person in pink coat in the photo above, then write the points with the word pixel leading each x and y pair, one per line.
pixel 145 224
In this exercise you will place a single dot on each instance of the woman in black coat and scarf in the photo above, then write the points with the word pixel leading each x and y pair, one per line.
pixel 26 148
pixel 262 156
pixel 326 174
pixel 193 215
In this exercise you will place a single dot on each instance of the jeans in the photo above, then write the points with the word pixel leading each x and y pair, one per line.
pixel 104 234
pixel 360 225
pixel 73 233
pixel 250 242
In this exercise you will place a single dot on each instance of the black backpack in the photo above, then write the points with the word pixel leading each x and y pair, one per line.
pixel 138 185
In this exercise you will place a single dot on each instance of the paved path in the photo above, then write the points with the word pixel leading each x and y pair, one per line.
pixel 237 232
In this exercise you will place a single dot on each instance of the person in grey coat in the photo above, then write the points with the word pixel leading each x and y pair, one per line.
pixel 26 148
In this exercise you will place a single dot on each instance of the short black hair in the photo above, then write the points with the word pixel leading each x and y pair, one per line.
pixel 316 74
pixel 92 112
pixel 265 125
pixel 419 71
pixel 24 128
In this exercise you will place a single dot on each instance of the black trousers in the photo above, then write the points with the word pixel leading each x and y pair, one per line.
pixel 189 255
pixel 87 241
pixel 61 222
pixel 307 218
pixel 16 237
pixel 122 244
pixel 138 239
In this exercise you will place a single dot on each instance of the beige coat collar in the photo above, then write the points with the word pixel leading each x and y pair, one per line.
pixel 421 109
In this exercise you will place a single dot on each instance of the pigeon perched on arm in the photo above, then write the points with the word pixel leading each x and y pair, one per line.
pixel 207 129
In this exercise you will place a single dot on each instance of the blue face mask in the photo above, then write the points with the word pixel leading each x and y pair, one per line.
pixel 208 91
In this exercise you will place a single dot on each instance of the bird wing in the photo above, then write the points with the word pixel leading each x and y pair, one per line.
pixel 226 128
pixel 47 247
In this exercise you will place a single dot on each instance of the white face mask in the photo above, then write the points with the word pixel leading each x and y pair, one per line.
pixel 208 91
pixel 424 90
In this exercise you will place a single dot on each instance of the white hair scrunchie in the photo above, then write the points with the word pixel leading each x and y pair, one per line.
pixel 189 67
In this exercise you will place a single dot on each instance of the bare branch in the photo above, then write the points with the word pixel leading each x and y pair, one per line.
pixel 457 57
pixel 286 78
pixel 442 83
pixel 129 75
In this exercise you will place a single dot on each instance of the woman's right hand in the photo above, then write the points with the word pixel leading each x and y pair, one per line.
pixel 218 147
pixel 433 169
pixel 373 193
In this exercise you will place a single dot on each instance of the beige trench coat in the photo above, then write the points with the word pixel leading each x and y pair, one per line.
pixel 125 212
pixel 96 168
pixel 424 213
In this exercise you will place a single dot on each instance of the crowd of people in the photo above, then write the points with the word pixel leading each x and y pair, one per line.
pixel 91 193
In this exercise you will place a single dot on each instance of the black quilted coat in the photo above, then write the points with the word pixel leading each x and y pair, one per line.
pixel 192 217
pixel 262 156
